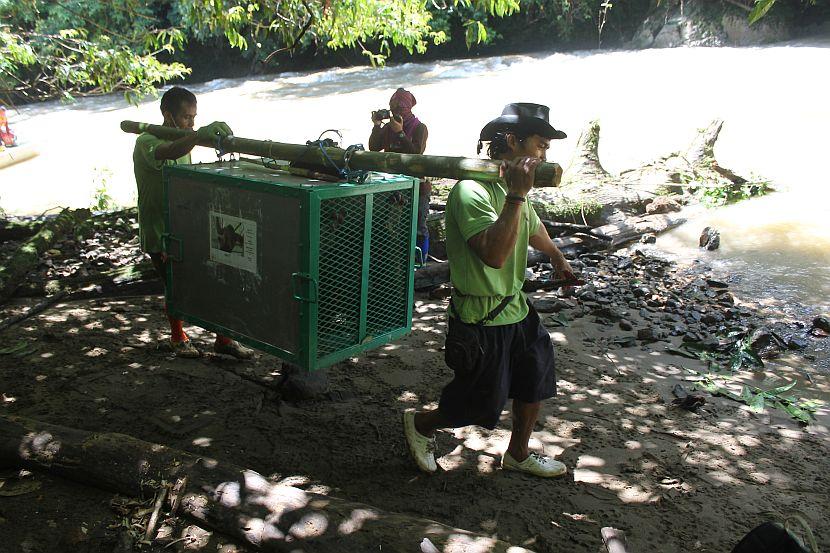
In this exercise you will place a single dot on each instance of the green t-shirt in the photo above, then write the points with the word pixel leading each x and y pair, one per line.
pixel 473 206
pixel 150 190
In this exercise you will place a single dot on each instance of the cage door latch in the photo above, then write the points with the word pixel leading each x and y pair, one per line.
pixel 296 287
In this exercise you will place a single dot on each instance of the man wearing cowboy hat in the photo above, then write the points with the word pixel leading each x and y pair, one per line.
pixel 496 345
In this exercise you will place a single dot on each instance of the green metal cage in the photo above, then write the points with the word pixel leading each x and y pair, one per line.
pixel 307 270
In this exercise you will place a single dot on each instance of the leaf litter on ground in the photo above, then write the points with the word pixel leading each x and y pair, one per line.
pixel 757 399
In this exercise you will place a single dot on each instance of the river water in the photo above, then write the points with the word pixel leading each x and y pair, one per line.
pixel 649 103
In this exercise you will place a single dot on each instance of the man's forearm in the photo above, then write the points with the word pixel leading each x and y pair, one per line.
pixel 495 244
pixel 177 148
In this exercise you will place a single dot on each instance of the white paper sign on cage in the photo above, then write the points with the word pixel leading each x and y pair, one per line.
pixel 233 241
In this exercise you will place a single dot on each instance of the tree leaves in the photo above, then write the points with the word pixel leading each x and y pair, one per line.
pixel 49 49
pixel 758 399
pixel 760 10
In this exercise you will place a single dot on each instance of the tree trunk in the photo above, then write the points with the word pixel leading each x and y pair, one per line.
pixel 702 148
pixel 28 254
pixel 585 167
pixel 228 498
pixel 18 231
pixel 610 198
pixel 634 227
pixel 131 280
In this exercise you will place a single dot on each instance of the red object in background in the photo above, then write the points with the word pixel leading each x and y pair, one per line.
pixel 7 137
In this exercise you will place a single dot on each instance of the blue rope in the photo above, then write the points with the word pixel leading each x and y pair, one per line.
pixel 344 172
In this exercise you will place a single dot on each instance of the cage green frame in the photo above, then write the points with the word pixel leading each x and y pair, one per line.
pixel 352 297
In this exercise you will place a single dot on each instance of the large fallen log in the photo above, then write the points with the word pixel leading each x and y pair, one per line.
pixel 228 498
pixel 18 231
pixel 27 256
pixel 634 227
pixel 130 280
pixel 547 174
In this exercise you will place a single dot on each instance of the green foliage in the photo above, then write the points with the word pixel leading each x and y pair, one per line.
pixel 760 10
pixel 64 48
pixel 101 199
pixel 714 196
pixel 571 210
pixel 762 7
pixel 58 48
pixel 757 399
pixel 744 356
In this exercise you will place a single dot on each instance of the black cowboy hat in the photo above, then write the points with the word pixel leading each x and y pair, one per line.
pixel 531 118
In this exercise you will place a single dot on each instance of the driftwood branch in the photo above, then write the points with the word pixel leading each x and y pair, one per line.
pixel 34 310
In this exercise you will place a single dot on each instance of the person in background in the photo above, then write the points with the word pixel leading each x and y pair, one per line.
pixel 7 137
pixel 404 133
pixel 178 107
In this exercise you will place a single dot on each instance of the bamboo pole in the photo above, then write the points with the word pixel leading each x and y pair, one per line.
pixel 547 174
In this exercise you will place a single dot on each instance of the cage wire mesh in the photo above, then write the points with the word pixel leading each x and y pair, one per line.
pixel 342 223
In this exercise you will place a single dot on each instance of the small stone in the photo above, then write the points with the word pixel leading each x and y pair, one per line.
pixel 662 204
pixel 641 291
pixel 588 297
pixel 651 334
pixel 709 239
pixel 796 342
pixel 822 322
pixel 442 292
pixel 648 238
pixel 549 305
pixel 712 318
pixel 625 341
pixel 626 325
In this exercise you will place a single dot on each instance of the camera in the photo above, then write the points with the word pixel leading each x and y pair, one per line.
pixel 382 114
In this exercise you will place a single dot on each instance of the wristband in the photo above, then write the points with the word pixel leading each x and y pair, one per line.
pixel 518 200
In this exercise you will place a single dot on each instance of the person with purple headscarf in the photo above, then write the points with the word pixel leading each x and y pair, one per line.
pixel 405 134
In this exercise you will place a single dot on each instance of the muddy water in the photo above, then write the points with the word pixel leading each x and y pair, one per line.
pixel 649 103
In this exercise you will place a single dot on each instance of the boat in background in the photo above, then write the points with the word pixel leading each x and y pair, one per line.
pixel 16 154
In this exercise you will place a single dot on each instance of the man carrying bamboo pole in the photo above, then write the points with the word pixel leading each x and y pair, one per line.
pixel 496 344
pixel 178 106
pixel 404 134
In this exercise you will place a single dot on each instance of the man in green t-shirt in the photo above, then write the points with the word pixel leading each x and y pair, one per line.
pixel 496 345
pixel 178 106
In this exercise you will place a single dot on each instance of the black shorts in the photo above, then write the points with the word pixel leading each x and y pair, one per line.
pixel 512 361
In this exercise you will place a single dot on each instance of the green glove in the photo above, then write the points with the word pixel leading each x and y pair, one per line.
pixel 217 128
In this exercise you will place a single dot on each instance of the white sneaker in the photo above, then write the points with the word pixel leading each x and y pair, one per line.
pixel 535 464
pixel 234 349
pixel 185 349
pixel 421 447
